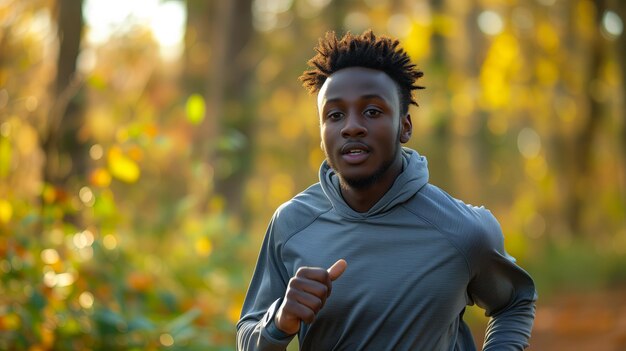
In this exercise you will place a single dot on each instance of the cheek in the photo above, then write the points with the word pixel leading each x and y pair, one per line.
pixel 326 133
pixel 323 138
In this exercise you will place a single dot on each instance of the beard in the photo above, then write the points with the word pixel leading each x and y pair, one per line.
pixel 367 180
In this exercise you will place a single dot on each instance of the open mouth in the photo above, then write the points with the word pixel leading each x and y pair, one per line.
pixel 354 148
pixel 355 153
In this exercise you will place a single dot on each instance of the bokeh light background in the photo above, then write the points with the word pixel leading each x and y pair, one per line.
pixel 145 144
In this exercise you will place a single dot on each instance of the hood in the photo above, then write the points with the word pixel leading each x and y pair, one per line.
pixel 413 177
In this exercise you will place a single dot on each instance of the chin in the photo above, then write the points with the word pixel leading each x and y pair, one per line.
pixel 358 183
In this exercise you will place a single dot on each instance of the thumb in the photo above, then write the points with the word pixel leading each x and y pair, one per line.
pixel 336 270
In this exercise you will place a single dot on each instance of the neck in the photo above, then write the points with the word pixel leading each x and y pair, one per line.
pixel 363 199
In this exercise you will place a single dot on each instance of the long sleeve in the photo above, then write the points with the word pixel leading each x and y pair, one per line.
pixel 503 289
pixel 255 329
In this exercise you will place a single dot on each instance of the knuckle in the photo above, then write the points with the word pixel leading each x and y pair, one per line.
pixel 302 271
pixel 318 304
pixel 291 294
pixel 309 316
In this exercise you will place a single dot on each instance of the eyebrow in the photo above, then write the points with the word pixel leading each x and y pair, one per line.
pixel 366 96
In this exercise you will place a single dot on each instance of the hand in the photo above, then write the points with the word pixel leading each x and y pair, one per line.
pixel 305 296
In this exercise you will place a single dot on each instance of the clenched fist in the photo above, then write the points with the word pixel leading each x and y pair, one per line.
pixel 305 296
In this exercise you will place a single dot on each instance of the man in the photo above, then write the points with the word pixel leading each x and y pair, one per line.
pixel 373 257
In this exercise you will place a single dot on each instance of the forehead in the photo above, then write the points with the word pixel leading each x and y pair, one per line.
pixel 355 82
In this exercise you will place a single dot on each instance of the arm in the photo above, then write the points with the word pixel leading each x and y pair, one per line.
pixel 256 329
pixel 503 289
pixel 262 334
pixel 304 296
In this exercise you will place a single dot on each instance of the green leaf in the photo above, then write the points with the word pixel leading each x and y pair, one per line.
pixel 179 324
pixel 140 323
pixel 110 321
pixel 37 301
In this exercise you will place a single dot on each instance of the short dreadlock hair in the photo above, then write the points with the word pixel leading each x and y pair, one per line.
pixel 366 50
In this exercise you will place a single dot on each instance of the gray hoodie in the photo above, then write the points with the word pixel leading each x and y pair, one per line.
pixel 416 259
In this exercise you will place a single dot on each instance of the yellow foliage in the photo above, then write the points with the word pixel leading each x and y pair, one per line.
pixel 498 70
pixel 417 44
pixel 281 188
pixel 268 70
pixel 516 244
pixel 195 109
pixel 536 167
pixel 547 37
pixel 217 204
pixel 6 211
pixel 316 156
pixel 444 25
pixel 463 106
pixel 10 322
pixel 204 247
pixel 122 167
pixel 47 338
pixel 48 194
pixel 5 156
pixel 282 103
pixel 100 124
pixel 585 13
pixel 100 177
pixel 151 130
pixel 122 135
pixel 139 281
pixel 234 308
pixel 547 72
pixel 290 128
pixel 497 124
pixel 135 153
pixel 611 73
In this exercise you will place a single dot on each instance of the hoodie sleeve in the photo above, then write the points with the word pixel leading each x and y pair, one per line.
pixel 499 286
pixel 256 329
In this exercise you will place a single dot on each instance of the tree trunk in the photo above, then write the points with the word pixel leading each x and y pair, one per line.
pixel 621 54
pixel 583 143
pixel 230 89
pixel 224 139
pixel 65 152
pixel 438 73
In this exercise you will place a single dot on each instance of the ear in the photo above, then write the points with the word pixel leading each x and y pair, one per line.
pixel 406 128
pixel 322 146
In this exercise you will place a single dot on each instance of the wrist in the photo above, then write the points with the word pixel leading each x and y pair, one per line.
pixel 275 331
pixel 271 322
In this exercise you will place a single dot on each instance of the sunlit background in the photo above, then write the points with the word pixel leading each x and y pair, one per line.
pixel 144 145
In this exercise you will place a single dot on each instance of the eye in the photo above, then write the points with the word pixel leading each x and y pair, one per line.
pixel 334 116
pixel 372 112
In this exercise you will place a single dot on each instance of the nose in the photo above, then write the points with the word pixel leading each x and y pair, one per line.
pixel 353 126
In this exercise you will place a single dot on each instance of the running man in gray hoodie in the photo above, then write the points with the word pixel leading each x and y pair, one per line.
pixel 373 257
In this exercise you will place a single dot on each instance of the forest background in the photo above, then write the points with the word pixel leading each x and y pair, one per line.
pixel 145 144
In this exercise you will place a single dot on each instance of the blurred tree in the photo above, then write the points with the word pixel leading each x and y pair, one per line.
pixel 582 156
pixel 620 6
pixel 580 169
pixel 219 46
pixel 66 151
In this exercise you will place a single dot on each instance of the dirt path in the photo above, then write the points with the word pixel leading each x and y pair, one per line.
pixel 593 321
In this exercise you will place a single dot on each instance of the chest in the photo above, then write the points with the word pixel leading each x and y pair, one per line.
pixel 393 262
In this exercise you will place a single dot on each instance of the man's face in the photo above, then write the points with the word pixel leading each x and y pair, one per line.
pixel 361 126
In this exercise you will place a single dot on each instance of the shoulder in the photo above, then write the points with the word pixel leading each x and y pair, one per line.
pixel 299 212
pixel 469 227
